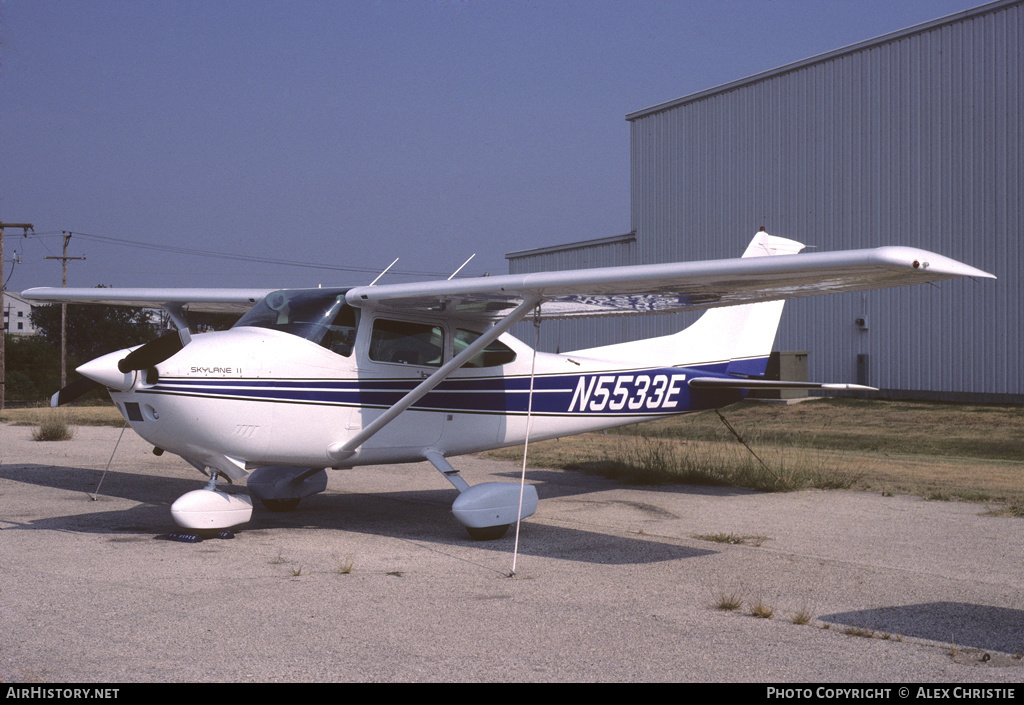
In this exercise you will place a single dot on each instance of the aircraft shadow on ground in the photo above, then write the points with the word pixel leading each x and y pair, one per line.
pixel 554 483
pixel 133 486
pixel 960 624
pixel 416 515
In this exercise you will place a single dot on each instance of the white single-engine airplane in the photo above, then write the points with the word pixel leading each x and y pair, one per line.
pixel 311 379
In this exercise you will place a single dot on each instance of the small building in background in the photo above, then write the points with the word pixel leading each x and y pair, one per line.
pixel 17 315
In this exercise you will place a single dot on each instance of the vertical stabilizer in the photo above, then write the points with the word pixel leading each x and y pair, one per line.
pixel 737 339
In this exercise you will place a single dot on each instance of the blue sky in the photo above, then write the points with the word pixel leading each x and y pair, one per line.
pixel 346 134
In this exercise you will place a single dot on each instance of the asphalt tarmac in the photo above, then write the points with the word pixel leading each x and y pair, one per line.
pixel 374 580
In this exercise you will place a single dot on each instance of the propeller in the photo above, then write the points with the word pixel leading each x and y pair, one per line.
pixel 76 389
pixel 155 351
pixel 101 372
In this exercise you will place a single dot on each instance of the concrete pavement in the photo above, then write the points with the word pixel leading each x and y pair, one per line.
pixel 375 581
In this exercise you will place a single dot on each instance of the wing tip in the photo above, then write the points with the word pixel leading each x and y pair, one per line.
pixel 928 262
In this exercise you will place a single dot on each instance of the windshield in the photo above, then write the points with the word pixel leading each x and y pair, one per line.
pixel 318 315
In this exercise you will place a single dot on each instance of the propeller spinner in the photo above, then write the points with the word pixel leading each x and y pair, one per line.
pixel 101 371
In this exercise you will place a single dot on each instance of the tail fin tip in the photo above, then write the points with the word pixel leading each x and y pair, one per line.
pixel 765 245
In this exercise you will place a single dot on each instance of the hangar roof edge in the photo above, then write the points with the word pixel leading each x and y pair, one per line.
pixel 628 237
pixel 852 48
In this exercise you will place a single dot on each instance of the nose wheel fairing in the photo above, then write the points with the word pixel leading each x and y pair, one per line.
pixel 211 508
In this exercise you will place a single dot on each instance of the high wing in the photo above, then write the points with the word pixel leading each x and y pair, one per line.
pixel 669 288
pixel 177 302
pixel 205 300
pixel 637 289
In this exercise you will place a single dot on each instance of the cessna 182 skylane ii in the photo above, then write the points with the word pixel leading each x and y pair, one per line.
pixel 315 379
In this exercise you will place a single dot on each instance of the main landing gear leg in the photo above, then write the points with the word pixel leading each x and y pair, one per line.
pixel 280 488
pixel 487 509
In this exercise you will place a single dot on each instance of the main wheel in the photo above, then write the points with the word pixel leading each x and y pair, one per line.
pixel 280 505
pixel 487 533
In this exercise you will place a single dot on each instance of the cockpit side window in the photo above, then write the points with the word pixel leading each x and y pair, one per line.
pixel 495 354
pixel 340 336
pixel 407 343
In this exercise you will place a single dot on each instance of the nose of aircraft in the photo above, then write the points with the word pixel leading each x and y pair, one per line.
pixel 104 371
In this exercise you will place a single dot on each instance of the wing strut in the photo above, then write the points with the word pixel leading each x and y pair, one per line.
pixel 343 451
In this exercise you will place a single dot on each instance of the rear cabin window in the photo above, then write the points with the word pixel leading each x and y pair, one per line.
pixel 407 343
pixel 495 354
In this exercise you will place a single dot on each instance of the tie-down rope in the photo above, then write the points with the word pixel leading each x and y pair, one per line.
pixel 526 441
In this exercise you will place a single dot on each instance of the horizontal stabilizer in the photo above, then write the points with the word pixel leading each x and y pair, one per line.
pixel 736 383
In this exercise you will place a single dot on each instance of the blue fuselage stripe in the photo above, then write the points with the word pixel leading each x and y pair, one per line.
pixel 621 392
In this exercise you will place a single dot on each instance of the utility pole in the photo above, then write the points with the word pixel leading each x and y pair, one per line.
pixel 64 311
pixel 25 227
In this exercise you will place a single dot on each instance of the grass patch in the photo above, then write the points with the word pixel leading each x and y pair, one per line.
pixel 97 415
pixel 646 460
pixel 734 539
pixel 990 431
pixel 54 427
pixel 801 617
pixel 762 611
pixel 967 452
pixel 859 631
pixel 1012 508
pixel 728 602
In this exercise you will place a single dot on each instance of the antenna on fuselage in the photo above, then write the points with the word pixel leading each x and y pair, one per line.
pixel 460 268
pixel 384 272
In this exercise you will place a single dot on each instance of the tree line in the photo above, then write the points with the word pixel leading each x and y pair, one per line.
pixel 32 362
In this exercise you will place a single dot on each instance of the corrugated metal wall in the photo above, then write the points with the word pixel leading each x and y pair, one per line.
pixel 560 336
pixel 915 139
pixel 604 252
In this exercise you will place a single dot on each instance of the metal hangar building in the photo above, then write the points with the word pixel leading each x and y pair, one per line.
pixel 913 138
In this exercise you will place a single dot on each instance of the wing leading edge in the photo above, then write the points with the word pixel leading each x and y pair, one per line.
pixel 204 300
pixel 673 287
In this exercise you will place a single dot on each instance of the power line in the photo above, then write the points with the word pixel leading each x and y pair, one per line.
pixel 25 227
pixel 109 240
pixel 64 311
